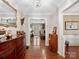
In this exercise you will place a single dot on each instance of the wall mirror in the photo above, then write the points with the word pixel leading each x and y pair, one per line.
pixel 8 21
pixel 7 15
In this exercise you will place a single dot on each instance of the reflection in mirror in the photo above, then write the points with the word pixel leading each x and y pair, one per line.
pixel 7 15
pixel 22 21
pixel 8 21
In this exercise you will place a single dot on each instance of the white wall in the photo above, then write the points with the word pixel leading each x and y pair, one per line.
pixel 25 28
pixel 52 22
pixel 61 41
pixel 73 39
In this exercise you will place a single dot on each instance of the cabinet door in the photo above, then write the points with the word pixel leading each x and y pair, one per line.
pixel 8 54
pixel 54 43
pixel 11 55
pixel 7 50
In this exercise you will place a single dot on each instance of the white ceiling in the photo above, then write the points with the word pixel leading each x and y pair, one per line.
pixel 46 6
pixel 73 9
pixel 27 7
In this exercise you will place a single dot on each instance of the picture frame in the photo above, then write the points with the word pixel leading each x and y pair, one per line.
pixel 71 25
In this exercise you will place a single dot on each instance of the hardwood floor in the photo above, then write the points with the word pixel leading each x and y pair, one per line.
pixel 42 42
pixel 39 52
pixel 42 52
pixel 72 52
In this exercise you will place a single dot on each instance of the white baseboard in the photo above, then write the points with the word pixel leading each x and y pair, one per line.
pixel 61 54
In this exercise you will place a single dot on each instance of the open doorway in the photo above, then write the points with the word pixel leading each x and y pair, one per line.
pixel 42 35
pixel 37 34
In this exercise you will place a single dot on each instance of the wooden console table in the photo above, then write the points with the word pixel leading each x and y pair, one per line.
pixel 13 48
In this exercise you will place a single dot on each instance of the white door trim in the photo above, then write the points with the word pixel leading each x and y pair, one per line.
pixel 46 34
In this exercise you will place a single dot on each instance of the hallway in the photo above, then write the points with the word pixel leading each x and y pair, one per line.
pixel 31 21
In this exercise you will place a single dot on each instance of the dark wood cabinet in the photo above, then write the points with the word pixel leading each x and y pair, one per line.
pixel 53 42
pixel 7 50
pixel 13 49
pixel 20 48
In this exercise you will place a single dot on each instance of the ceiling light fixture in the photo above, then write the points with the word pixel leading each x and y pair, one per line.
pixel 37 3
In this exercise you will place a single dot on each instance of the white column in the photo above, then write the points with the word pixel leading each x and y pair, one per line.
pixel 18 21
pixel 61 41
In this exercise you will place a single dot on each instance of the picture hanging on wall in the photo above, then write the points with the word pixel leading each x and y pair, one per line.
pixel 71 25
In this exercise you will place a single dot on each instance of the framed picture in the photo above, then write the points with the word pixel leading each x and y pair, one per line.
pixel 71 25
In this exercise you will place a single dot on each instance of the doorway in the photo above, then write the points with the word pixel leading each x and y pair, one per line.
pixel 37 34
pixel 35 25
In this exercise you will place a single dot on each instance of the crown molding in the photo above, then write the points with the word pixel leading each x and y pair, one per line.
pixel 9 4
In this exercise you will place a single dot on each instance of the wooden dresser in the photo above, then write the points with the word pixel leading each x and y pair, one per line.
pixel 13 48
pixel 53 42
